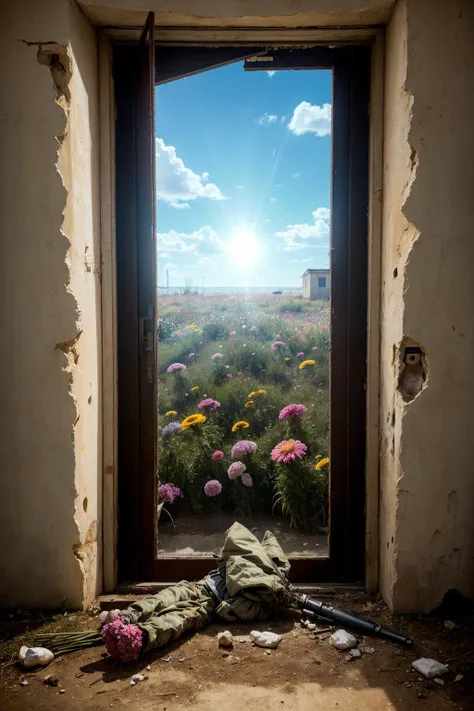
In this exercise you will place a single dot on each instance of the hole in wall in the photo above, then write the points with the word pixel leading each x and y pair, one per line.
pixel 413 369
pixel 395 273
pixel 85 504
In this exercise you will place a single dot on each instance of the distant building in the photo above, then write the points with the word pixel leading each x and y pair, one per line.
pixel 316 284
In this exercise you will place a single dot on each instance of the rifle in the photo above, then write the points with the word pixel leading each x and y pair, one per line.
pixel 338 615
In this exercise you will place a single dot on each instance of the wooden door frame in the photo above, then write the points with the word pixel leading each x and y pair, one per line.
pixel 111 574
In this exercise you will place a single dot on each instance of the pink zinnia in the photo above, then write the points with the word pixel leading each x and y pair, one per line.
pixel 212 487
pixel 236 469
pixel 315 348
pixel 242 447
pixel 288 450
pixel 292 411
pixel 217 456
pixel 277 345
pixel 300 354
pixel 229 375
pixel 209 404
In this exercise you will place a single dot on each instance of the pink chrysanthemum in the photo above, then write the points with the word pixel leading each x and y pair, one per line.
pixel 217 356
pixel 247 479
pixel 292 411
pixel 212 487
pixel 129 643
pixel 236 469
pixel 229 375
pixel 110 635
pixel 277 345
pixel 242 447
pixel 300 354
pixel 176 368
pixel 315 348
pixel 191 355
pixel 289 450
pixel 209 404
pixel 217 456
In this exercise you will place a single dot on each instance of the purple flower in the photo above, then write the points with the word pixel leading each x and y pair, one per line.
pixel 209 404
pixel 300 354
pixel 277 345
pixel 236 469
pixel 171 429
pixel 212 487
pixel 168 493
pixel 217 356
pixel 217 456
pixel 247 479
pixel 129 643
pixel 110 635
pixel 242 447
pixel 292 411
pixel 176 368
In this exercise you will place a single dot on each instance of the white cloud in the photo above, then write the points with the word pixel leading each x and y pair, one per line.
pixel 302 261
pixel 173 241
pixel 273 199
pixel 304 235
pixel 271 73
pixel 311 119
pixel 295 175
pixel 206 262
pixel 175 183
pixel 180 205
pixel 267 119
pixel 239 187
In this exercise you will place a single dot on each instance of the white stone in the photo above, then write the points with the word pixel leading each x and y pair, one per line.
pixel 270 640
pixel 355 653
pixel 429 668
pixel 225 639
pixel 35 656
pixel 343 640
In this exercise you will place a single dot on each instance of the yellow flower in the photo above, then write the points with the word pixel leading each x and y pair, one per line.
pixel 241 425
pixel 192 420
pixel 196 387
pixel 170 412
pixel 287 358
pixel 251 395
pixel 249 404
pixel 305 364
pixel 321 464
pixel 261 392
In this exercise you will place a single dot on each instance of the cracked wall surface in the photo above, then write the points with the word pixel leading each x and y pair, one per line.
pixel 427 486
pixel 50 307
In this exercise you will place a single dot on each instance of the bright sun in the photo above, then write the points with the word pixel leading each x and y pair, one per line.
pixel 244 248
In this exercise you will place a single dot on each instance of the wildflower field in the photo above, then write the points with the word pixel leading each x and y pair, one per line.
pixel 243 406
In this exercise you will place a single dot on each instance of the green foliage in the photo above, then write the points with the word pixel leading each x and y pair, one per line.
pixel 215 332
pixel 166 329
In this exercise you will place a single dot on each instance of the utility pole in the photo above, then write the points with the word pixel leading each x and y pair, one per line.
pixel 167 280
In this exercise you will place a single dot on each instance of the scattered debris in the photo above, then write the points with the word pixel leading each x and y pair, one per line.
pixel 166 659
pixel 459 677
pixel 355 653
pixel 225 639
pixel 343 640
pixel 79 674
pixel 429 668
pixel 311 626
pixel 367 650
pixel 137 678
pixel 50 680
pixel 148 668
pixel 24 682
pixel 270 640
pixel 62 691
pixel 449 625
pixel 35 656
pixel 438 681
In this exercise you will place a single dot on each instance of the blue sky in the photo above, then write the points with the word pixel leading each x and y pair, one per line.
pixel 243 177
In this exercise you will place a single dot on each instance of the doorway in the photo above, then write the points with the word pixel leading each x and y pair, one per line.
pixel 141 556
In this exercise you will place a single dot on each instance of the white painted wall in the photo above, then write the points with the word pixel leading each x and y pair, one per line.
pixel 427 500
pixel 49 433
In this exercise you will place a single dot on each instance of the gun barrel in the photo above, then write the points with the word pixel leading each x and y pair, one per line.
pixel 351 620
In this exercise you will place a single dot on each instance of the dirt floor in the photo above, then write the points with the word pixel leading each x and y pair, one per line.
pixel 305 672
pixel 198 535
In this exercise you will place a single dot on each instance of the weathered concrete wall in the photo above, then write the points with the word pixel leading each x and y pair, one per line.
pixel 239 13
pixel 49 306
pixel 427 484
